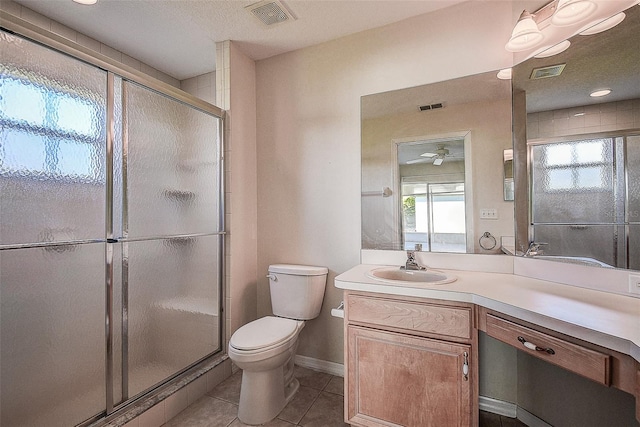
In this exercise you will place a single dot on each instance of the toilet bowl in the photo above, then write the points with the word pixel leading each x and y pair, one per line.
pixel 265 348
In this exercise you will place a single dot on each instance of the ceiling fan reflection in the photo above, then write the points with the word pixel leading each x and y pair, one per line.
pixel 437 158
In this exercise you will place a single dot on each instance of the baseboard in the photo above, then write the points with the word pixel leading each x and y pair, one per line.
pixel 499 407
pixel 511 410
pixel 332 368
pixel 531 420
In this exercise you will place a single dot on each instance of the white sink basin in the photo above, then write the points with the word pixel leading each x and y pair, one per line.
pixel 414 277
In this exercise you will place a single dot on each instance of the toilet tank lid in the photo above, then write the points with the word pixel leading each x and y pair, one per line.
pixel 298 270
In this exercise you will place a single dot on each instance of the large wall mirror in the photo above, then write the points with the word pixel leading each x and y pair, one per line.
pixel 432 166
pixel 577 157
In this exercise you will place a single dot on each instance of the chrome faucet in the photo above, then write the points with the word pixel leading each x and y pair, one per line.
pixel 411 263
pixel 534 249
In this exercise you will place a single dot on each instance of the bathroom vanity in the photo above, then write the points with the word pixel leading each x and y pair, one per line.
pixel 411 350
pixel 398 348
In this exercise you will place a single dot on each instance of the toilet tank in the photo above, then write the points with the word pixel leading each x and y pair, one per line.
pixel 297 291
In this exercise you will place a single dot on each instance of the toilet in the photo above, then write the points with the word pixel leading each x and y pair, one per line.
pixel 264 348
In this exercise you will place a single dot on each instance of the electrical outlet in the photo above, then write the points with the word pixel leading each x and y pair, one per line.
pixel 634 283
pixel 488 214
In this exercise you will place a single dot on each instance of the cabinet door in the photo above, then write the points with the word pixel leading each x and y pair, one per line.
pixel 401 380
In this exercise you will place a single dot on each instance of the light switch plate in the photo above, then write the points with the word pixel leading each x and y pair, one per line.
pixel 488 214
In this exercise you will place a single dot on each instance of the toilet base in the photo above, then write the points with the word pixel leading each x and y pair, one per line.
pixel 264 394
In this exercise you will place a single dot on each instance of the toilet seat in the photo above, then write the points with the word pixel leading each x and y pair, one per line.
pixel 265 333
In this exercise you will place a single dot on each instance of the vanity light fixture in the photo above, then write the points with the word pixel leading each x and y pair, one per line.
pixel 571 12
pixel 554 50
pixel 605 25
pixel 599 93
pixel 525 35
pixel 86 2
pixel 504 74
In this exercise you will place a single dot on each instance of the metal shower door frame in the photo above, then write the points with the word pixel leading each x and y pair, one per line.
pixel 116 70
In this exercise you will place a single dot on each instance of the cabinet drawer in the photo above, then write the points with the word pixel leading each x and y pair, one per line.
pixel 575 358
pixel 411 316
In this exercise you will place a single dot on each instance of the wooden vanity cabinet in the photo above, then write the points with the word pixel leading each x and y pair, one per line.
pixel 602 365
pixel 409 362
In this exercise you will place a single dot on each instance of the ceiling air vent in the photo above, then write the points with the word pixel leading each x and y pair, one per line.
pixel 431 107
pixel 545 72
pixel 270 12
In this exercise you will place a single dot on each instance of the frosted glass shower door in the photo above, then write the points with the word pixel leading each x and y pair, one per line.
pixel 52 234
pixel 574 198
pixel 170 236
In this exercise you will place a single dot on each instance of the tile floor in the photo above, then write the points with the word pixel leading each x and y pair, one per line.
pixel 318 403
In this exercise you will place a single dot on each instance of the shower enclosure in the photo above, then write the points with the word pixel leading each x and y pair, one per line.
pixel 586 198
pixel 111 233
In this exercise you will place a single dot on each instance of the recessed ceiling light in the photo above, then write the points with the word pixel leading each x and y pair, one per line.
pixel 554 50
pixel 605 25
pixel 599 93
pixel 88 2
pixel 504 74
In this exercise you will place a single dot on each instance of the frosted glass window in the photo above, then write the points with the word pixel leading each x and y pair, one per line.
pixel 560 179
pixel 61 127
pixel 590 177
pixel 52 145
pixel 590 152
pixel 558 155
pixel 21 101
pixel 574 166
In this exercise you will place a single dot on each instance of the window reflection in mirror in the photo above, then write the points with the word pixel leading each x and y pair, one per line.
pixel 507 158
pixel 438 208
pixel 431 175
pixel 576 156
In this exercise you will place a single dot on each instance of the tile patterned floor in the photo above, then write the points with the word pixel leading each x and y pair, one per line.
pixel 318 403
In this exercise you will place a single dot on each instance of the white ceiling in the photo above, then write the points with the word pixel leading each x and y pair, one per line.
pixel 178 37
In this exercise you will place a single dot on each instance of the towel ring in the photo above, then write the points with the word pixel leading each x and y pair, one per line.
pixel 487 241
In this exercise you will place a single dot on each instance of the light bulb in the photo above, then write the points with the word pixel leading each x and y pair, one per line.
pixel 525 35
pixel 570 12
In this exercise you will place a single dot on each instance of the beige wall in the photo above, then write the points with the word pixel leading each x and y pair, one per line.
pixel 308 143
pixel 309 137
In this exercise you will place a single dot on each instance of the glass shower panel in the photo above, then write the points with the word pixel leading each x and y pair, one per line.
pixel 171 166
pixel 173 306
pixel 633 179
pixel 597 242
pixel 634 246
pixel 573 182
pixel 52 348
pixel 52 145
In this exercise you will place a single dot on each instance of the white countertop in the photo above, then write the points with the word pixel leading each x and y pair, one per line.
pixel 606 319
